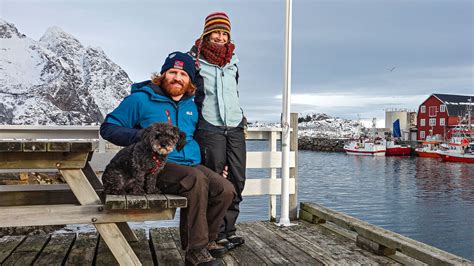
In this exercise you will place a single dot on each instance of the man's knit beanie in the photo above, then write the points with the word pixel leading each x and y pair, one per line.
pixel 181 61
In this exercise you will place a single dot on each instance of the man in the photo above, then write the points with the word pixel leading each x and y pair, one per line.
pixel 168 98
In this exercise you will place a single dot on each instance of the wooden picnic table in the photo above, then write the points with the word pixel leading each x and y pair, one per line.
pixel 80 201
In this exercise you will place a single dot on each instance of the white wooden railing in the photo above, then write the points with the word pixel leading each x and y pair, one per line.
pixel 270 159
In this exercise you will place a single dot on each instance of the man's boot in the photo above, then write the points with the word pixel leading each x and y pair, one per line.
pixel 200 257
pixel 216 250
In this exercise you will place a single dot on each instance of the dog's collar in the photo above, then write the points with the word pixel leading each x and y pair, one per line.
pixel 158 164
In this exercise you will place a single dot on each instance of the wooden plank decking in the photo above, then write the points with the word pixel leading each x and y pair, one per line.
pixel 266 244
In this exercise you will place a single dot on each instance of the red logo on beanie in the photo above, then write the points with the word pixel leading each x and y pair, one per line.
pixel 178 64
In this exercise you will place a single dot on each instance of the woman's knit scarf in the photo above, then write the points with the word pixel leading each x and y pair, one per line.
pixel 216 54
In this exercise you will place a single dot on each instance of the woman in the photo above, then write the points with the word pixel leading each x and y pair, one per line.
pixel 220 130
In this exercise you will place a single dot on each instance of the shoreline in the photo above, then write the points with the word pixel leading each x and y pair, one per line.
pixel 321 144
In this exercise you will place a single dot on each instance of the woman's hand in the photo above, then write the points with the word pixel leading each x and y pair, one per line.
pixel 225 172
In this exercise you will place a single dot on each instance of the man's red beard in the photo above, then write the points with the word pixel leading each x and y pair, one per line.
pixel 171 90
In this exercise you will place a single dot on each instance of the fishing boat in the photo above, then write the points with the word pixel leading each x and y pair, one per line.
pixel 429 148
pixel 393 147
pixel 366 146
pixel 461 146
pixel 460 150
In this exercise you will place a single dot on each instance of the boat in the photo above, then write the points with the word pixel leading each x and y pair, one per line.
pixel 461 147
pixel 429 148
pixel 366 146
pixel 460 150
pixel 393 148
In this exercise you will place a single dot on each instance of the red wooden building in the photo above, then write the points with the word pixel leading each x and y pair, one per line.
pixel 441 113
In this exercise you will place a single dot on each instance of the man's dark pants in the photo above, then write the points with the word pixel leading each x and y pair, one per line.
pixel 209 196
pixel 223 147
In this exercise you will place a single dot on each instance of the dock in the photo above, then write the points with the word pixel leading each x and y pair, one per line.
pixel 320 237
pixel 266 244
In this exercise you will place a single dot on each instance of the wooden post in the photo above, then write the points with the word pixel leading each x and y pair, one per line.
pixel 273 148
pixel 294 171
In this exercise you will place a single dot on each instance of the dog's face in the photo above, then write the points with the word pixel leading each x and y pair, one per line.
pixel 162 138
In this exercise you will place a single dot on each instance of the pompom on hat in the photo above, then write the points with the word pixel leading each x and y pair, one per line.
pixel 217 21
pixel 181 61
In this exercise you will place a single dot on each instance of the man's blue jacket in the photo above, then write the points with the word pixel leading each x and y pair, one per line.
pixel 148 104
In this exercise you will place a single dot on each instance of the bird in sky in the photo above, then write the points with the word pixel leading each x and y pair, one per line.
pixel 391 69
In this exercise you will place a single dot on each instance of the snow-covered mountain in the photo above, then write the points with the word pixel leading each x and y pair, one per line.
pixel 320 125
pixel 56 80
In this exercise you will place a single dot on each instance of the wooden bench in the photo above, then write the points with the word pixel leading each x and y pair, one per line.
pixel 81 200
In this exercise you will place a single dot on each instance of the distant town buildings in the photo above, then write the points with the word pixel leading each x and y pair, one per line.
pixel 407 119
pixel 440 114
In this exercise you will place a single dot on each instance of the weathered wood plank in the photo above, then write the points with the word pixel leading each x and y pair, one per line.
pixel 14 195
pixel 42 160
pixel 410 247
pixel 10 146
pixel 374 247
pixel 92 177
pixel 164 247
pixel 104 255
pixel 261 248
pixel 142 247
pixel 243 255
pixel 83 146
pixel 157 201
pixel 175 201
pixel 27 251
pixel 83 250
pixel 72 214
pixel 136 202
pixel 336 246
pixel 117 244
pixel 278 243
pixel 115 202
pixel 127 232
pixel 34 146
pixel 308 217
pixel 55 252
pixel 8 244
pixel 310 248
pixel 174 231
pixel 58 146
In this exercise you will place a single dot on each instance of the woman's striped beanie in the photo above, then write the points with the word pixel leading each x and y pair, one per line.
pixel 218 21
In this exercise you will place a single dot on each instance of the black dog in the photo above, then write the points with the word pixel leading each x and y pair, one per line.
pixel 134 169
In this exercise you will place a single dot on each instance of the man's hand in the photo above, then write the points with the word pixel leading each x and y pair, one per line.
pixel 225 172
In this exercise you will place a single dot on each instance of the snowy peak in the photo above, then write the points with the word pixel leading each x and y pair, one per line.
pixel 8 30
pixel 56 80
pixel 56 36
pixel 63 44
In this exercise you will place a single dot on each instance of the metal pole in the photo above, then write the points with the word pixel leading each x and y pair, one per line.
pixel 285 123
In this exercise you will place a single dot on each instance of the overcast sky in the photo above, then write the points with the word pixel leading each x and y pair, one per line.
pixel 349 57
